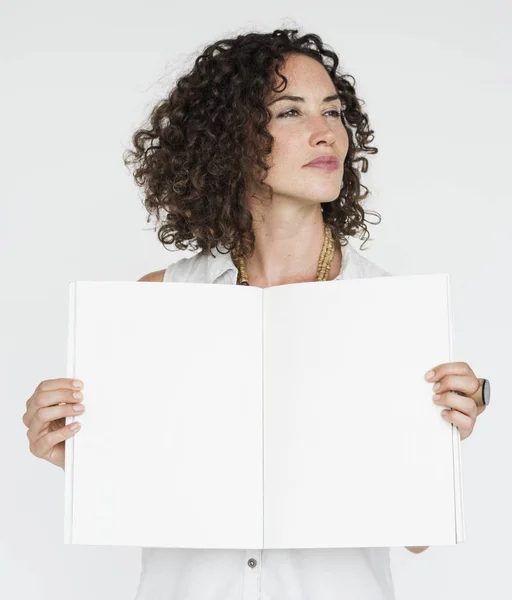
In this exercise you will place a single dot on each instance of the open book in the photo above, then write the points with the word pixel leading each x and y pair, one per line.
pixel 294 416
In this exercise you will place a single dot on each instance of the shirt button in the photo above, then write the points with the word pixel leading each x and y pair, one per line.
pixel 252 563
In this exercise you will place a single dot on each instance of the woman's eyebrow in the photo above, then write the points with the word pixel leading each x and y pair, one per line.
pixel 300 99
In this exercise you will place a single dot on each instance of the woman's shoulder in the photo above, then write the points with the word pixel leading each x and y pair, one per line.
pixel 153 276
pixel 180 270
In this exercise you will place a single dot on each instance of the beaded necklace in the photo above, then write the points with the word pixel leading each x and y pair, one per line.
pixel 324 261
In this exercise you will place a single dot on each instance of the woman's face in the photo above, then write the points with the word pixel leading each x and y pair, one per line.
pixel 304 130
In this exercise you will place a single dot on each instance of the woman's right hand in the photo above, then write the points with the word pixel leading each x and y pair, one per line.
pixel 45 418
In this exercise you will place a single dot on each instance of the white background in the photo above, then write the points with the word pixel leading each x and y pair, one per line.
pixel 78 78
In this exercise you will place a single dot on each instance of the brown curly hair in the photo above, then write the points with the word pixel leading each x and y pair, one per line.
pixel 206 143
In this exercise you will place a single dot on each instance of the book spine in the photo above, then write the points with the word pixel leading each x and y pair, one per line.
pixel 69 442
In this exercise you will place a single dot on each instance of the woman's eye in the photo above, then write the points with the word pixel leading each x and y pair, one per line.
pixel 283 115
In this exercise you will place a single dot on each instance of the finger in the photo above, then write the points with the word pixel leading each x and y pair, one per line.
pixel 41 399
pixel 61 383
pixel 45 415
pixel 51 385
pixel 463 423
pixel 43 446
pixel 454 368
pixel 463 404
pixel 449 368
pixel 465 384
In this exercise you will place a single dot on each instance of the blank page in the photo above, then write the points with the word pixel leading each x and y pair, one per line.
pixel 170 450
pixel 355 451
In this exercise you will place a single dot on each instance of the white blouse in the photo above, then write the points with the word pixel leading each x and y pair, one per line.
pixel 255 574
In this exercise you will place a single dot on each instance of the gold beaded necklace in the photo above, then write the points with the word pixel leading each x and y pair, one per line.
pixel 324 261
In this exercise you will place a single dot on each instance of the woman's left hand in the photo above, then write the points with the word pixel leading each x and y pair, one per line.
pixel 456 383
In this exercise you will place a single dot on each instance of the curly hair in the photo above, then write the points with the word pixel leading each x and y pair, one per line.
pixel 205 145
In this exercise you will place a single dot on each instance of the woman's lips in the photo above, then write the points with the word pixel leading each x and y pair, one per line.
pixel 326 166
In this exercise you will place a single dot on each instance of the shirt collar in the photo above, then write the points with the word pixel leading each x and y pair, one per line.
pixel 220 262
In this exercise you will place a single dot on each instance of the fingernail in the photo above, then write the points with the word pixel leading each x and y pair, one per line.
pixel 429 374
pixel 77 383
pixel 436 386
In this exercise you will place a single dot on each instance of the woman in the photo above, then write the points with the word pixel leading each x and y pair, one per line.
pixel 228 125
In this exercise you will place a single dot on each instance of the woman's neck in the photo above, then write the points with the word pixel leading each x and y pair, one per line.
pixel 278 265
